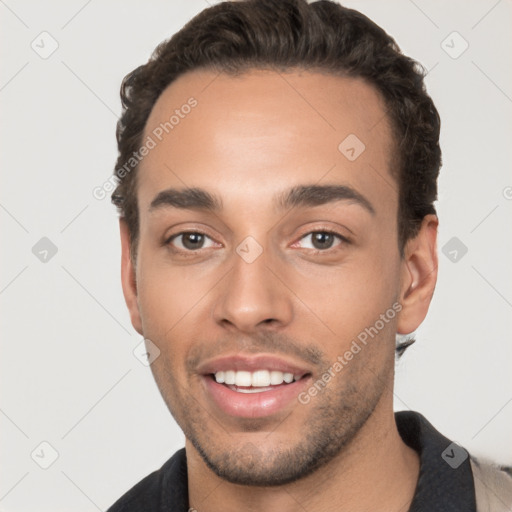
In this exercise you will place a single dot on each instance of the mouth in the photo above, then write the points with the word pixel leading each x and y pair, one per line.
pixel 253 387
pixel 260 381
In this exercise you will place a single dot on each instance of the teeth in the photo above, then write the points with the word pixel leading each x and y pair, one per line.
pixel 249 390
pixel 288 377
pixel 261 378
pixel 243 379
pixel 276 378
pixel 257 379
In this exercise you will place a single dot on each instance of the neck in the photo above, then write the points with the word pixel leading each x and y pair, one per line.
pixel 377 471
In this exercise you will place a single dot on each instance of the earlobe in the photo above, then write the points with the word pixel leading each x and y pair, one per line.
pixel 419 276
pixel 128 278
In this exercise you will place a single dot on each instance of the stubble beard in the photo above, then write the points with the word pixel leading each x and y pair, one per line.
pixel 336 416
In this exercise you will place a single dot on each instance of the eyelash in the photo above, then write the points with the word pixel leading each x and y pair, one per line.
pixel 170 239
pixel 342 240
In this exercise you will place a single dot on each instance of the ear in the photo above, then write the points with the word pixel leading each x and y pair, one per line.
pixel 418 276
pixel 128 278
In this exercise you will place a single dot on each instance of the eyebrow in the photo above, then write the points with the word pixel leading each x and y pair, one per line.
pixel 188 198
pixel 299 196
pixel 317 195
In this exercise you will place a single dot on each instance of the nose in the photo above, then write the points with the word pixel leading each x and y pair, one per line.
pixel 253 297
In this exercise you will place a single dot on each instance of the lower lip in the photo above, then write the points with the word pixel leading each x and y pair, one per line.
pixel 253 405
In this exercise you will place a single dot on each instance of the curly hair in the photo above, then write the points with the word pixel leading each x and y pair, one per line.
pixel 235 36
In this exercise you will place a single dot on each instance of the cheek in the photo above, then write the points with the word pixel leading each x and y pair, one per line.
pixel 349 298
pixel 169 296
pixel 167 305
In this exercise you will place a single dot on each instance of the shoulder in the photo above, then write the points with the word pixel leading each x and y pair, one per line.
pixel 493 486
pixel 161 491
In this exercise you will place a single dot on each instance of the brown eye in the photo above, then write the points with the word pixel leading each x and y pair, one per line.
pixel 321 240
pixel 190 241
pixel 193 240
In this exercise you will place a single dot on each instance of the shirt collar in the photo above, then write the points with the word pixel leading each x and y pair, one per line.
pixel 445 481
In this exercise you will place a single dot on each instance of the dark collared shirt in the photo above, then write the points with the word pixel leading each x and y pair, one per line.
pixel 445 482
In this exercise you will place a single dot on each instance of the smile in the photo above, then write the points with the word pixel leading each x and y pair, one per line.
pixel 254 382
pixel 252 386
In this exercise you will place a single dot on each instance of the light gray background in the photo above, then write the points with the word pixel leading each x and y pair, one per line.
pixel 68 374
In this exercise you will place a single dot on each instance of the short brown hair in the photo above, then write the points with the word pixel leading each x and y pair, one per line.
pixel 231 37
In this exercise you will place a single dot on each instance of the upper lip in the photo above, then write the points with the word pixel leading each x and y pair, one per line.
pixel 251 363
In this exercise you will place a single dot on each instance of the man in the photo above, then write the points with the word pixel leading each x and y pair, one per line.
pixel 277 173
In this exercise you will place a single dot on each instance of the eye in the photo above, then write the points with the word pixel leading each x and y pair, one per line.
pixel 321 240
pixel 190 241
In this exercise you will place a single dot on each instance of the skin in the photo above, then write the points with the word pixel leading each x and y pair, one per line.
pixel 250 138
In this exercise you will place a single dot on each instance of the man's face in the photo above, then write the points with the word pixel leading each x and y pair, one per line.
pixel 320 266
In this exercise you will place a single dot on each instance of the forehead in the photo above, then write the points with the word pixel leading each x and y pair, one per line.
pixel 263 130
